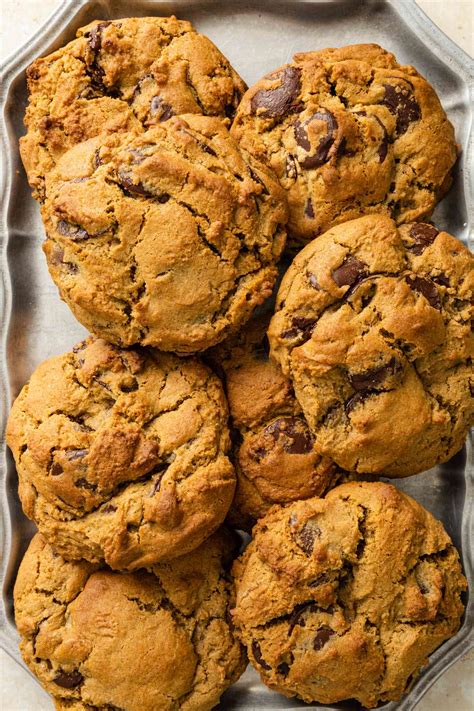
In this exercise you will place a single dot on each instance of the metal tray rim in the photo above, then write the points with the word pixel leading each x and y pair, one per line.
pixel 454 57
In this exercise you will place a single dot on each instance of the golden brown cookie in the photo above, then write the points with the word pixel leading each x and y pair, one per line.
pixel 349 132
pixel 346 597
pixel 373 325
pixel 121 75
pixel 274 454
pixel 142 641
pixel 122 455
pixel 167 239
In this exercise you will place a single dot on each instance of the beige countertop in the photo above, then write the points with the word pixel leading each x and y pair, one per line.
pixel 18 691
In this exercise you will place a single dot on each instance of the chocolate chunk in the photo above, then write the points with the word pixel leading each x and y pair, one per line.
pixel 400 101
pixel 351 271
pixel 291 169
pixel 110 508
pixel 322 637
pixel 441 279
pixel 84 484
pixel 322 151
pixel 300 326
pixel 313 281
pixel 161 107
pixel 306 537
pixel 425 287
pixel 129 388
pixel 383 148
pixel 160 469
pixel 74 232
pixel 57 258
pixel 96 160
pixel 68 680
pixel 283 669
pixel 95 36
pixel 74 454
pixel 138 88
pixel 423 235
pixel 375 376
pixel 279 101
pixel 294 433
pixel 124 179
pixel 296 617
pixel 257 653
pixel 308 210
pixel 96 72
pixel 320 580
pixel 56 469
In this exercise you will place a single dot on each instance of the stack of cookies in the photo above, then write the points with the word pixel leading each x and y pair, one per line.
pixel 212 397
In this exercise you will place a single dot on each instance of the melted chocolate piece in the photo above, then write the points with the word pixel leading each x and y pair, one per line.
pixel 425 287
pixel 296 617
pixel 375 376
pixel 140 82
pixel 158 105
pixel 320 580
pixel 352 270
pixel 56 469
pixel 294 432
pixel 400 101
pixel 322 637
pixel 57 258
pixel 283 669
pixel 306 537
pixel 257 653
pixel 300 326
pixel 74 232
pixel 383 148
pixel 96 72
pixel 68 680
pixel 280 101
pixel 423 235
pixel 84 484
pixel 110 508
pixel 124 179
pixel 441 279
pixel 322 151
pixel 308 210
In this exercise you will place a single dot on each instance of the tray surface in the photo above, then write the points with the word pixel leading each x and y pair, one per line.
pixel 257 37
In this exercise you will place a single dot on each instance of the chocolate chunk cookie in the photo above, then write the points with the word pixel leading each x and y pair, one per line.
pixel 346 597
pixel 349 132
pixel 121 75
pixel 373 324
pixel 167 239
pixel 142 641
pixel 274 453
pixel 122 455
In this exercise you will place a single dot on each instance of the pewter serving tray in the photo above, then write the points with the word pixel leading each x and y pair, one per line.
pixel 256 36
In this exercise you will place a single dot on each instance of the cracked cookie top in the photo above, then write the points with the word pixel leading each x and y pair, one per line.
pixel 349 132
pixel 122 455
pixel 274 454
pixel 373 325
pixel 121 75
pixel 346 597
pixel 141 641
pixel 166 239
